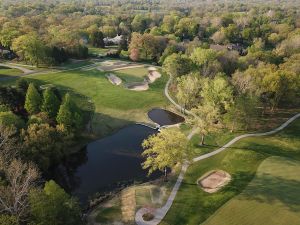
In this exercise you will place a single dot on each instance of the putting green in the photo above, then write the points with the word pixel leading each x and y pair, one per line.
pixel 272 197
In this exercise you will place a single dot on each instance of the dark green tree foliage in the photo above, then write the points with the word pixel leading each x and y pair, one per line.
pixel 33 100
pixel 78 51
pixel 53 206
pixel 22 86
pixel 69 114
pixel 123 43
pixel 59 55
pixel 50 103
pixel 12 98
pixel 96 39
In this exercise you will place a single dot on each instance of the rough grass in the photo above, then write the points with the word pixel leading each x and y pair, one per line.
pixel 272 197
pixel 5 72
pixel 194 206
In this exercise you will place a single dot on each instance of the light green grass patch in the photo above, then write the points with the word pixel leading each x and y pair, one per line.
pixel 132 74
pixel 6 72
pixel 193 206
pixel 272 197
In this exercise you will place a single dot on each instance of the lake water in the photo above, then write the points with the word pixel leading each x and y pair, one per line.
pixel 164 117
pixel 111 162
pixel 106 164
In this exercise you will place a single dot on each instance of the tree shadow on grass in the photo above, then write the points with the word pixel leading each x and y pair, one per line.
pixel 270 189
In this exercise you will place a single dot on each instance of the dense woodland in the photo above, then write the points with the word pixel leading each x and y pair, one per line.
pixel 230 62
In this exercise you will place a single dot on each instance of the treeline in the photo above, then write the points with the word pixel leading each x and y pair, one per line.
pixel 45 34
pixel 37 129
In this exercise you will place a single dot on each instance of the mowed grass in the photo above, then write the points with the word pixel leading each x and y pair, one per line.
pixel 272 197
pixel 114 106
pixel 133 74
pixel 6 72
pixel 194 206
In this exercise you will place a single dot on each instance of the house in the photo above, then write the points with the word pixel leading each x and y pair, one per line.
pixel 116 40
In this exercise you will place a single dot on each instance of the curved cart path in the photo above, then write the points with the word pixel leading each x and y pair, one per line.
pixel 160 213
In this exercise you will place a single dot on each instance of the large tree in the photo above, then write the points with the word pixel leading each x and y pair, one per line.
pixel 30 48
pixel 33 100
pixel 177 65
pixel 188 90
pixel 96 39
pixel 165 150
pixel 53 206
pixel 20 178
pixel 69 114
pixel 51 103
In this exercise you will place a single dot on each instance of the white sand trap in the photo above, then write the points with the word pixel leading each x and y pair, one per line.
pixel 114 79
pixel 153 76
pixel 214 180
pixel 138 86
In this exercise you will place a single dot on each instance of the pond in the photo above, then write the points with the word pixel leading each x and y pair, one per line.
pixel 106 164
pixel 164 117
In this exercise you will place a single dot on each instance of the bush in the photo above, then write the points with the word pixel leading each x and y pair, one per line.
pixel 148 216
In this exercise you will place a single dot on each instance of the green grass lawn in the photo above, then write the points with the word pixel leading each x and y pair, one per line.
pixel 6 72
pixel 194 206
pixel 272 197
pixel 132 74
pixel 114 106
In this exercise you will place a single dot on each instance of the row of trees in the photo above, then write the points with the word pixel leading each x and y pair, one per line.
pixel 36 130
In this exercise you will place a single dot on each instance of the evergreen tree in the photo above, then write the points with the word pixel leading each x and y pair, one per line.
pixel 123 45
pixel 96 39
pixel 69 114
pixel 33 100
pixel 50 103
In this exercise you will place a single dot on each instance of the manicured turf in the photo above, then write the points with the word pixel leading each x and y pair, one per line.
pixel 194 206
pixel 133 74
pixel 114 106
pixel 273 197
pixel 5 71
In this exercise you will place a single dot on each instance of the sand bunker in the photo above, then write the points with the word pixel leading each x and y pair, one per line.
pixel 138 86
pixel 214 181
pixel 114 79
pixel 153 75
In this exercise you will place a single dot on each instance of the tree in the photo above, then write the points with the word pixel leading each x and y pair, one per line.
pixel 165 150
pixel 9 119
pixel 33 100
pixel 8 220
pixel 139 23
pixel 206 60
pixel 30 48
pixel 20 179
pixel 69 114
pixel 206 120
pixel 42 144
pixel 123 45
pixel 186 28
pixel 188 90
pixel 50 103
pixel 177 65
pixel 22 86
pixel 96 39
pixel 9 143
pixel 217 93
pixel 53 206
